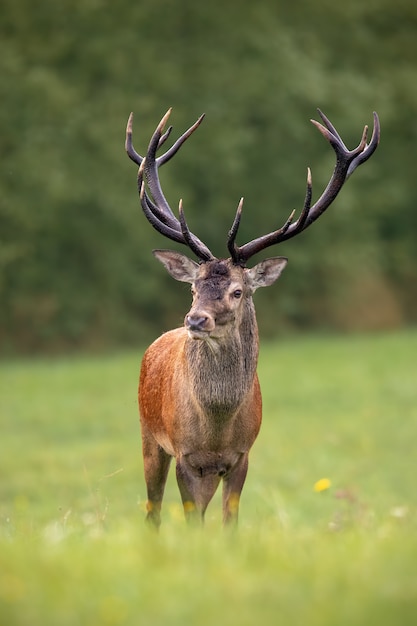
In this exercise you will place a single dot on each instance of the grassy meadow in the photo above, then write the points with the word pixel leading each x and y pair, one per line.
pixel 328 521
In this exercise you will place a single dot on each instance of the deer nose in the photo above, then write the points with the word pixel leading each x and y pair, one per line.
pixel 196 322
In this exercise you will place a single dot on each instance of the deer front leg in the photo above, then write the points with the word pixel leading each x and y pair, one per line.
pixel 156 464
pixel 232 488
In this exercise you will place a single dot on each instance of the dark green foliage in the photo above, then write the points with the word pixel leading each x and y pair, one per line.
pixel 75 262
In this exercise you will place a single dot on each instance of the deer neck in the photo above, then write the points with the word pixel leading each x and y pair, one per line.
pixel 222 371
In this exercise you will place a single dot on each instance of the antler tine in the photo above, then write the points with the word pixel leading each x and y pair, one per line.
pixel 369 148
pixel 165 136
pixel 197 246
pixel 329 126
pixel 131 152
pixel 155 207
pixel 157 223
pixel 177 145
pixel 135 156
pixel 300 223
pixel 346 162
pixel 231 245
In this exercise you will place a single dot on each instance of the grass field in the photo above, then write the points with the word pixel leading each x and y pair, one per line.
pixel 73 546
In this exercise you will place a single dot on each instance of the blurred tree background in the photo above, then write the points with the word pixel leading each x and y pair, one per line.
pixel 76 269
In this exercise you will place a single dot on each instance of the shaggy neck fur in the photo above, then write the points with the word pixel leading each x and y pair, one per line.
pixel 222 370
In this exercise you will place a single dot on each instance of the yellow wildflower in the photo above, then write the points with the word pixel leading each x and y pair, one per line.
pixel 322 485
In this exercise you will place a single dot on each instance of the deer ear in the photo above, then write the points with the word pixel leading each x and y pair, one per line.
pixel 266 272
pixel 178 265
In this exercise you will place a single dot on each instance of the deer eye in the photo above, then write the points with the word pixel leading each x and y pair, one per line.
pixel 237 293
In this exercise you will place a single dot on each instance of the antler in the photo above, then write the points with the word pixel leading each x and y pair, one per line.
pixel 346 163
pixel 156 207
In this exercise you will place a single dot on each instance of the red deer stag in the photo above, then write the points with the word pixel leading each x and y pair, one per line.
pixel 199 394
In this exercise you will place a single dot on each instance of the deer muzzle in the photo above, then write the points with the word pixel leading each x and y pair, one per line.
pixel 199 324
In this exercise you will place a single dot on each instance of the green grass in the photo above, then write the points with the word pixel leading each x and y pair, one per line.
pixel 73 546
